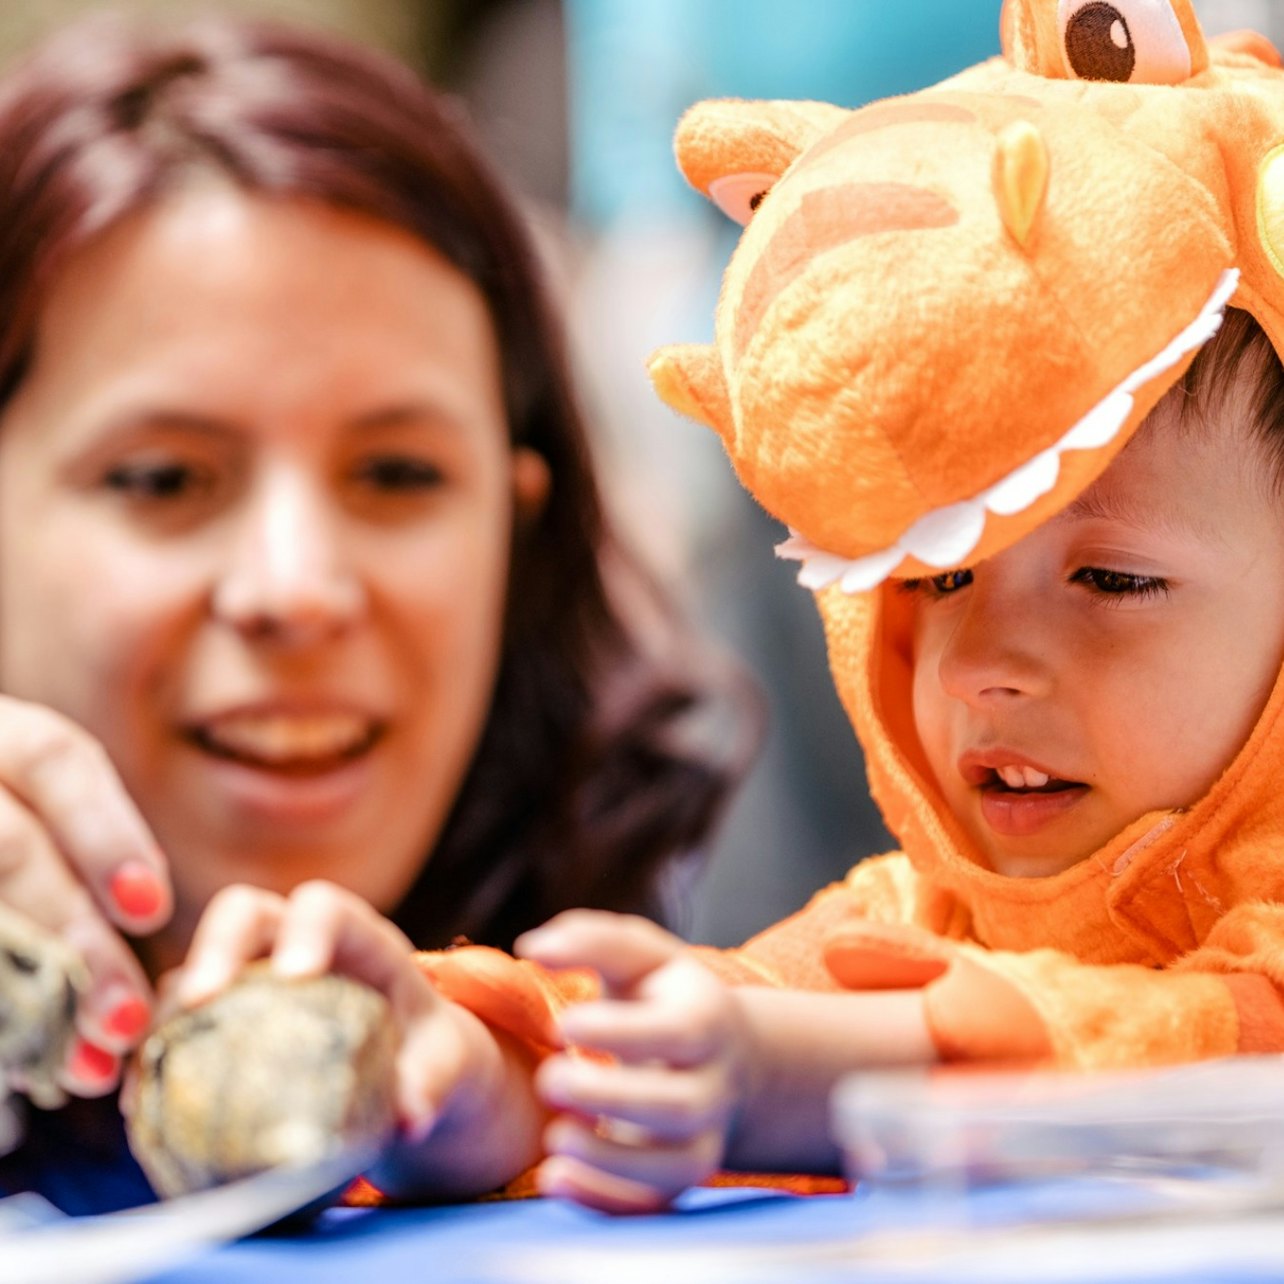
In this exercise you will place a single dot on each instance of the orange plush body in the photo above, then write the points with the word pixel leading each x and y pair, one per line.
pixel 947 314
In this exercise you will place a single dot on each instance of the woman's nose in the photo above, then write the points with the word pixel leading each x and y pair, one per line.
pixel 288 578
pixel 996 650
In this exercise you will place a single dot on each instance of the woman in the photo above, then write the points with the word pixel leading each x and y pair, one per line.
pixel 303 571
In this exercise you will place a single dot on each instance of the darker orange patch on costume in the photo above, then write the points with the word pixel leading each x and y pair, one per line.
pixel 824 220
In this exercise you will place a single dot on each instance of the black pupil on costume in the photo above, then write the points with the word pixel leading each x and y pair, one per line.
pixel 1099 44
pixel 756 200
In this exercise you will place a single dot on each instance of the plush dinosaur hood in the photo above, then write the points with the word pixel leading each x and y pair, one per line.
pixel 949 311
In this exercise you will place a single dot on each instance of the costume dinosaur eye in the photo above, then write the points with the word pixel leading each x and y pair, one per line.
pixel 738 195
pixel 1135 41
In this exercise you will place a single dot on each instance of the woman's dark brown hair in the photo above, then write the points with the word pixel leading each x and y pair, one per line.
pixel 586 781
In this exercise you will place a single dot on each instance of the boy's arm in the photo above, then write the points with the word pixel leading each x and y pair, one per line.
pixel 799 1045
pixel 1044 1006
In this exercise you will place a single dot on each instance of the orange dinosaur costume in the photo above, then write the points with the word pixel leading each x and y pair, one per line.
pixel 946 315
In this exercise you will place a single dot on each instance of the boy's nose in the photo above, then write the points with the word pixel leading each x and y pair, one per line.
pixel 288 579
pixel 995 651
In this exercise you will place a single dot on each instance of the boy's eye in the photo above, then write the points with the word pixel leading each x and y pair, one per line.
pixel 398 473
pixel 939 585
pixel 1119 583
pixel 158 480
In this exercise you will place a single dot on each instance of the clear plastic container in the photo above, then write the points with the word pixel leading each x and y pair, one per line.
pixel 952 1129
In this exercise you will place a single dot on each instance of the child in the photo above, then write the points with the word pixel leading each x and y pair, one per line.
pixel 945 357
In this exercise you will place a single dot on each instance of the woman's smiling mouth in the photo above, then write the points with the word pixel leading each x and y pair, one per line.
pixel 294 743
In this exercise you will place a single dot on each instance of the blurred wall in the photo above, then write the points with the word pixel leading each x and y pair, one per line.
pixel 412 29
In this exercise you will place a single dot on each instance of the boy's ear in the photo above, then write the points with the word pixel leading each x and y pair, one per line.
pixel 733 151
pixel 689 377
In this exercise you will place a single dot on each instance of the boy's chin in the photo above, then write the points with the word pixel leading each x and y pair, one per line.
pixel 1040 863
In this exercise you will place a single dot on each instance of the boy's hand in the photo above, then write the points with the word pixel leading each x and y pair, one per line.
pixel 632 1134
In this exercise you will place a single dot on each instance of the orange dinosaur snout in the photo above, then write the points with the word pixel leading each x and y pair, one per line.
pixel 928 304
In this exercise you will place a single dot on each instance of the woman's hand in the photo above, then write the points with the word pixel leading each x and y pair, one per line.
pixel 631 1134
pixel 468 1117
pixel 77 858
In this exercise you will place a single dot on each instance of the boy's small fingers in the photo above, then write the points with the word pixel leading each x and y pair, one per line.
pixel 561 1177
pixel 671 1104
pixel 658 1170
pixel 621 948
pixel 679 1034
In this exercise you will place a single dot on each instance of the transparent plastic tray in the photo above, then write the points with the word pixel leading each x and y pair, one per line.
pixel 950 1128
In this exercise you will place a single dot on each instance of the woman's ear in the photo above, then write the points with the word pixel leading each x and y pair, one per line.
pixel 532 478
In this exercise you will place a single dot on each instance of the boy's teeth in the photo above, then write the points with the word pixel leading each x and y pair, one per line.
pixel 280 738
pixel 1022 777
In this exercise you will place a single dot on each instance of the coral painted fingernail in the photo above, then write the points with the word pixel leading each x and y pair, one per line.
pixel 90 1063
pixel 128 1019
pixel 137 889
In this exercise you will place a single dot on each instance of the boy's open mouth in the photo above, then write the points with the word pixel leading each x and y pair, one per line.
pixel 1018 800
pixel 1025 780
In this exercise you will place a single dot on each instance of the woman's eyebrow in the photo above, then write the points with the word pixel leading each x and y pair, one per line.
pixel 410 413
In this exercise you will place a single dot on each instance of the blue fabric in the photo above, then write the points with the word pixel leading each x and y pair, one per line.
pixel 483 1243
pixel 78 1159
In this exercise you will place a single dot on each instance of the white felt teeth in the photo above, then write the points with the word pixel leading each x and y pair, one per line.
pixel 946 536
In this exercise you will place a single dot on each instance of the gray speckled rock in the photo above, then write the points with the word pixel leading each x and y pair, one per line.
pixel 40 976
pixel 271 1072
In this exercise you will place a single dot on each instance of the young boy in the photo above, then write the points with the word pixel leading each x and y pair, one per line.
pixel 944 321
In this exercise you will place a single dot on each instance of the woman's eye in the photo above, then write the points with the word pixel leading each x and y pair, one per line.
pixel 939 585
pixel 1119 583
pixel 399 473
pixel 159 481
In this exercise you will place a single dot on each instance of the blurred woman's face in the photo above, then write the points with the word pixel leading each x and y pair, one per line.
pixel 256 498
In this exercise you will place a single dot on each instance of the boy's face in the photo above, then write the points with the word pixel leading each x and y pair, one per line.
pixel 1115 660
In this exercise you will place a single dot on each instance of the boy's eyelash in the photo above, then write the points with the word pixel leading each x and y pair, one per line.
pixel 1104 583
pixel 942 585
pixel 1119 584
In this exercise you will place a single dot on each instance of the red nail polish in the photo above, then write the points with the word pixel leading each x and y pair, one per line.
pixel 128 1019
pixel 137 889
pixel 91 1064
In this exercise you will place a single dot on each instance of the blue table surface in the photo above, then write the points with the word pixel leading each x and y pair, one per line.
pixel 491 1242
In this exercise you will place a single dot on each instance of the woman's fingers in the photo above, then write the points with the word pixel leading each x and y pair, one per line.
pixel 322 928
pixel 63 776
pixel 239 925
pixel 74 854
pixel 114 1008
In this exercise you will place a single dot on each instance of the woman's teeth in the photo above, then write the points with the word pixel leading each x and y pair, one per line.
pixel 1022 777
pixel 288 739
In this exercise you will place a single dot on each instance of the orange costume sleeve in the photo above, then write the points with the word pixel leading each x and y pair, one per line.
pixel 1032 1006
